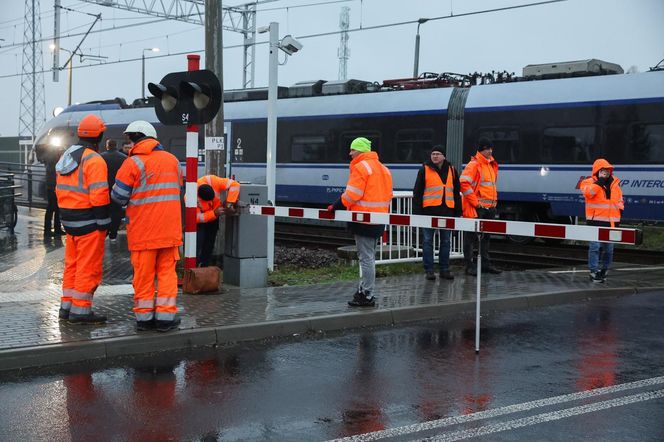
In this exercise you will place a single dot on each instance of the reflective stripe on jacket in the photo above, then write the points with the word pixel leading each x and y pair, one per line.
pixel 82 191
pixel 599 208
pixel 435 191
pixel 369 187
pixel 149 184
pixel 478 185
pixel 205 209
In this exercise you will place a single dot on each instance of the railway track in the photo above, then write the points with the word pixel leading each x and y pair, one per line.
pixel 503 252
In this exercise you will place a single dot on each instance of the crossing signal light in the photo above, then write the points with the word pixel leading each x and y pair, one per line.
pixel 190 97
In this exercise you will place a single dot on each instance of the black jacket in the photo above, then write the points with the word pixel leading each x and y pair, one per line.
pixel 114 160
pixel 418 192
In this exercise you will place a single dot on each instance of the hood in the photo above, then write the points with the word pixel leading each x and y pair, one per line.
pixel 145 146
pixel 365 156
pixel 69 160
pixel 601 163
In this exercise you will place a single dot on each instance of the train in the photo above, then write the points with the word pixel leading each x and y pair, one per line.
pixel 547 133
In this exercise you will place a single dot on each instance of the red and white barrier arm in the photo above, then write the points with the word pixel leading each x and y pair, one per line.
pixel 520 228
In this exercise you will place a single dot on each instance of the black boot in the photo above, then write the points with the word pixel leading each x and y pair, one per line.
pixel 164 326
pixel 90 319
pixel 445 274
pixel 146 325
pixel 364 300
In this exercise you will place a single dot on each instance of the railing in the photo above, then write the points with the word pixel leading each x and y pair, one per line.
pixel 8 211
pixel 32 181
pixel 402 243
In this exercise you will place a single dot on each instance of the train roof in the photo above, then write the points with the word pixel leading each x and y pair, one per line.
pixel 521 94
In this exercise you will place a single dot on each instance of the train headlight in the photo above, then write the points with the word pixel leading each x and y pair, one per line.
pixel 55 141
pixel 544 171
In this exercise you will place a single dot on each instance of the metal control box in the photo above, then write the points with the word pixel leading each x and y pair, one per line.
pixel 245 248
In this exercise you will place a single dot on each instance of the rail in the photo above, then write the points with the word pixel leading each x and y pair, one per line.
pixel 31 178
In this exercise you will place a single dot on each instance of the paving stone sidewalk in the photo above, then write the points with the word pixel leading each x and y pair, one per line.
pixel 31 272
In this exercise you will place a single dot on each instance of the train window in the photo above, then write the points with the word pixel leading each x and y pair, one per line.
pixel 413 145
pixel 646 143
pixel 506 143
pixel 575 145
pixel 308 149
pixel 178 147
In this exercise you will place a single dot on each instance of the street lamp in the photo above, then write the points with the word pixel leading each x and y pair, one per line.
pixel 417 47
pixel 290 46
pixel 143 69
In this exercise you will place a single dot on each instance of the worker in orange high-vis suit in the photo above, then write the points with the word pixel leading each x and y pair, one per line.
pixel 216 196
pixel 148 183
pixel 604 206
pixel 82 192
pixel 369 189
pixel 480 197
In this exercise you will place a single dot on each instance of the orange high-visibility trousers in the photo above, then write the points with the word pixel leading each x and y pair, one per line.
pixel 148 265
pixel 84 257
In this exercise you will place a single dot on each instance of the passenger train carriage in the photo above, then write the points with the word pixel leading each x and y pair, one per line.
pixel 547 133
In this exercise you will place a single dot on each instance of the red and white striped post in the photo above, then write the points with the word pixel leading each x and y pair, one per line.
pixel 191 188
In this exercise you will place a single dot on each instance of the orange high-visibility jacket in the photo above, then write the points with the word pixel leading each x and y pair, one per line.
pixel 82 191
pixel 478 185
pixel 435 191
pixel 599 208
pixel 149 183
pixel 369 187
pixel 205 209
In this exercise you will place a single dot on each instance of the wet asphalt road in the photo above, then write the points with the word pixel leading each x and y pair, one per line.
pixel 595 370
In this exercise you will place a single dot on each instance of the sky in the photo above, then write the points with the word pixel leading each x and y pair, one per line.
pixel 627 32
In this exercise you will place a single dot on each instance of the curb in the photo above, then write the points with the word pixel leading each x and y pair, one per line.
pixel 56 354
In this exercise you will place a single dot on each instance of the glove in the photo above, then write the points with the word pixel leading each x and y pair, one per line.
pixel 230 209
pixel 330 208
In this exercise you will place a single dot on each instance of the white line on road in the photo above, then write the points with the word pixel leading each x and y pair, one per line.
pixel 547 417
pixel 439 423
pixel 626 269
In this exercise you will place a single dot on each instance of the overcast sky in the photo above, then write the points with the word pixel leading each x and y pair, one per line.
pixel 627 32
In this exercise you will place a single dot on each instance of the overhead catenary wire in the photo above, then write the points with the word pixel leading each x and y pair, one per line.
pixel 321 34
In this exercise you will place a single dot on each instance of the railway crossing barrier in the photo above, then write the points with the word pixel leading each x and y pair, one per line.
pixel 478 226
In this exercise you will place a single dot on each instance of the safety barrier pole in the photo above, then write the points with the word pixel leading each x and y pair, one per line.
pixel 478 226
pixel 191 188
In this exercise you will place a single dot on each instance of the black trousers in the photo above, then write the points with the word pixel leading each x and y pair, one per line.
pixel 470 241
pixel 206 234
pixel 116 218
pixel 52 215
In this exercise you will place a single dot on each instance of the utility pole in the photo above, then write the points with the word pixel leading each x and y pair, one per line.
pixel 215 160
pixel 344 50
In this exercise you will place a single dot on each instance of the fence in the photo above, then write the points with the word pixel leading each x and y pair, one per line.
pixel 402 243
pixel 31 178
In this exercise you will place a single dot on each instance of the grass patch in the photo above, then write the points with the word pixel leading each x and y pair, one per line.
pixel 292 275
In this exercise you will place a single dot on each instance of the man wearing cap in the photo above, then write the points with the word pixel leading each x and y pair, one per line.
pixel 480 196
pixel 369 189
pixel 437 193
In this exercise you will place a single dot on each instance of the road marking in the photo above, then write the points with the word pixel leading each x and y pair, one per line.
pixel 445 422
pixel 547 417
pixel 626 269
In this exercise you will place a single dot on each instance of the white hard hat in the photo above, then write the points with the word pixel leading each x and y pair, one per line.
pixel 142 127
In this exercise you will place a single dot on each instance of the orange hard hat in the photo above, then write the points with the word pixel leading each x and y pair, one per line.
pixel 91 126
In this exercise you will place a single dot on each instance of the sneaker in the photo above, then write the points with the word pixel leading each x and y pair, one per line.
pixel 430 276
pixel 63 314
pixel 491 270
pixel 471 271
pixel 164 326
pixel 364 301
pixel 595 277
pixel 91 318
pixel 602 274
pixel 445 274
pixel 145 325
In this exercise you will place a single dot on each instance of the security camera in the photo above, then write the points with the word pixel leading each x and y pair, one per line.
pixel 289 45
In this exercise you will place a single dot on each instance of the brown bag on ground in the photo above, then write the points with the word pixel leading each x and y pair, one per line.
pixel 201 280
